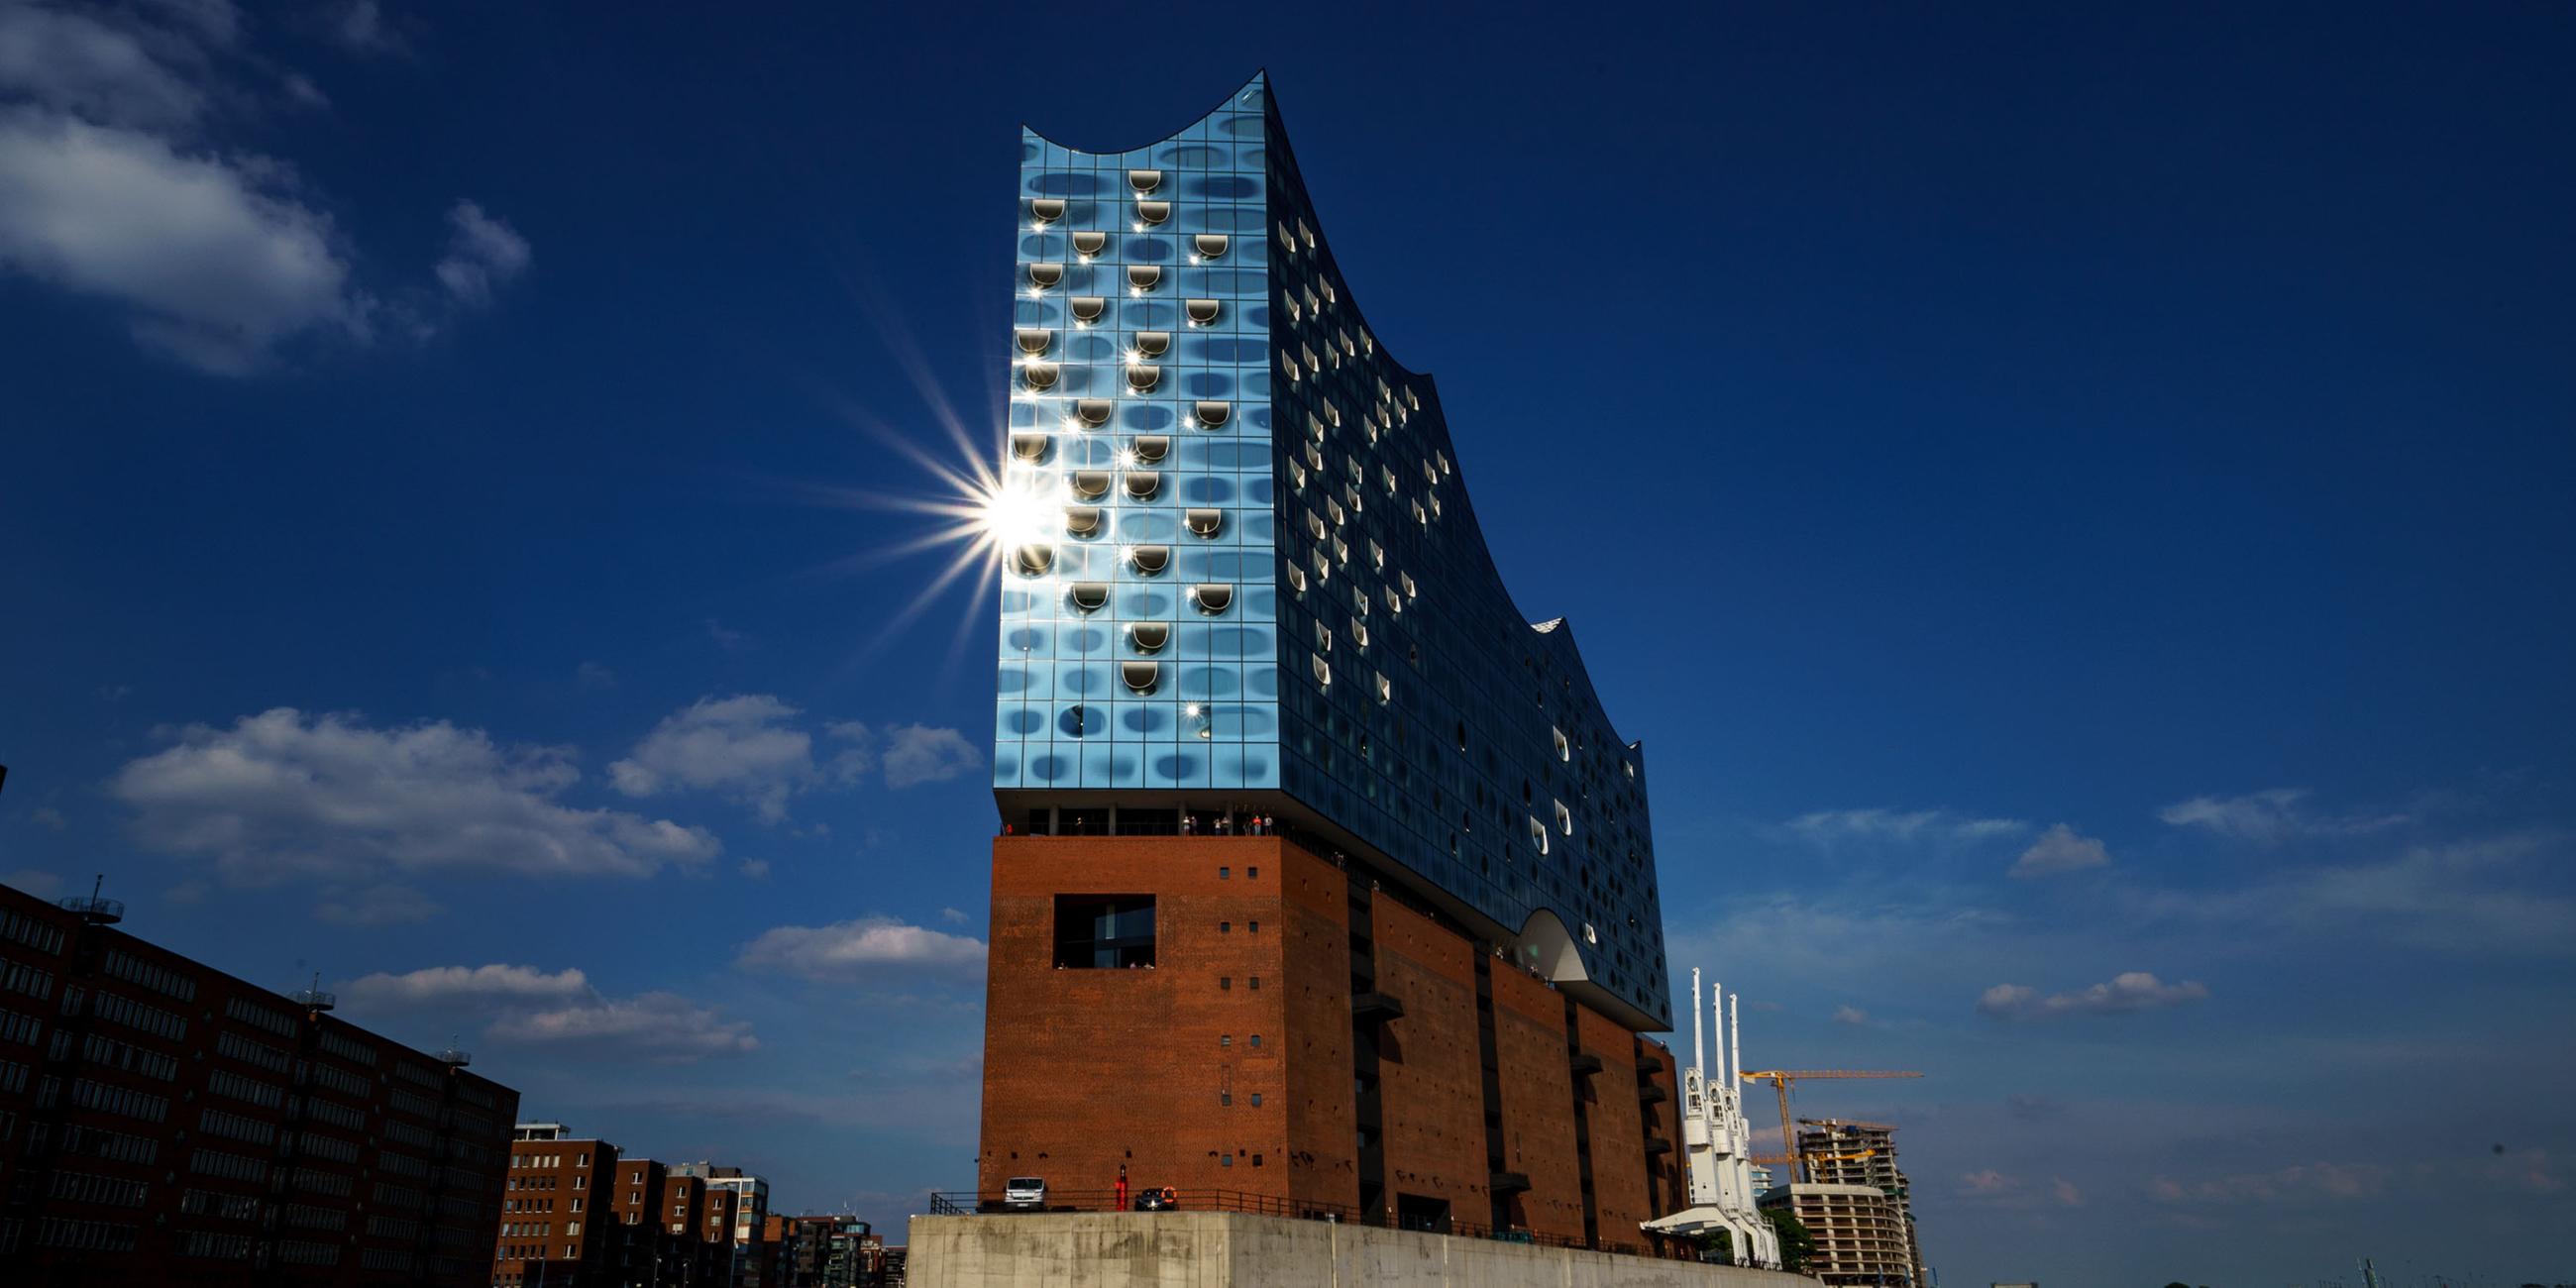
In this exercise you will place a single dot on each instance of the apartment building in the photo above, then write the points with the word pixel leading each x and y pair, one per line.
pixel 163 1122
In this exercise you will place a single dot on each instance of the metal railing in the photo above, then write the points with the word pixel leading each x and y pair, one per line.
pixel 975 1202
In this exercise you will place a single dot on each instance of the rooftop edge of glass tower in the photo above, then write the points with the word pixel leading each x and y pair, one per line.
pixel 1242 572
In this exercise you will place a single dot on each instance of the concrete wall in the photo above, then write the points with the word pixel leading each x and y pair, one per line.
pixel 1222 1249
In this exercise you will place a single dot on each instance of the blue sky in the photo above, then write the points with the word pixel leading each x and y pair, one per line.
pixel 2073 503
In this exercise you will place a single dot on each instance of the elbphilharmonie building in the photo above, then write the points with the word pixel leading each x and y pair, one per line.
pixel 1324 870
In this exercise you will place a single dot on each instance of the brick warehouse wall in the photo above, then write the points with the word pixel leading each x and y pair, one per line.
pixel 1662 1121
pixel 1433 1087
pixel 1323 1158
pixel 1538 1102
pixel 1614 1115
pixel 1154 1068
pixel 1087 1069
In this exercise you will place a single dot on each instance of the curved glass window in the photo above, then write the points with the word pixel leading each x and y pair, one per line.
pixel 1210 245
pixel 1039 375
pixel 1213 414
pixel 1152 448
pixel 1094 411
pixel 1034 560
pixel 1150 560
pixel 1046 277
pixel 1153 212
pixel 1149 637
pixel 1091 484
pixel 1144 277
pixel 1143 376
pixel 1033 340
pixel 1028 447
pixel 1087 308
pixel 1140 676
pixel 1088 244
pixel 1212 599
pixel 1201 312
pixel 1047 209
pixel 1142 484
pixel 1153 344
pixel 1203 523
pixel 1144 181
pixel 1089 596
pixel 1082 520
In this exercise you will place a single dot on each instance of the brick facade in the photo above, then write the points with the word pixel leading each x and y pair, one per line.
pixel 1235 1062
pixel 1430 1063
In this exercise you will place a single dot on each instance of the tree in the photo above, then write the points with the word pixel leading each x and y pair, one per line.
pixel 1796 1245
pixel 1717 1247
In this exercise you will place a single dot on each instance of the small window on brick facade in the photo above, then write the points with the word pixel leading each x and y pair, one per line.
pixel 1225 1098
pixel 1225 927
pixel 1225 1039
pixel 1256 1100
pixel 1252 927
pixel 1252 874
pixel 1225 981
pixel 1225 1160
pixel 1256 1039
pixel 1224 873
pixel 1256 981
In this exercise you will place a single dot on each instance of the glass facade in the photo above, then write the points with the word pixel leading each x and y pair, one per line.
pixel 1257 581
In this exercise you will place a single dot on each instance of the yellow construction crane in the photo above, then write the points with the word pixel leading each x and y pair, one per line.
pixel 1780 1080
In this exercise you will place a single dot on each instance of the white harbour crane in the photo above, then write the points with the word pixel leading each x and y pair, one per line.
pixel 1717 1144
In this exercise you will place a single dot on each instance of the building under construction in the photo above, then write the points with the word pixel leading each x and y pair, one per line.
pixel 1855 1203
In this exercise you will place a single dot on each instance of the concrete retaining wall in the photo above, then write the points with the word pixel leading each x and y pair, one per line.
pixel 1228 1250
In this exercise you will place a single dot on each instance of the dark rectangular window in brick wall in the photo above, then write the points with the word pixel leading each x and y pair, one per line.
pixel 1104 931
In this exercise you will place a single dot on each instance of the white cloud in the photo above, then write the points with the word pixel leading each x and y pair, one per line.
pixel 283 794
pixel 847 949
pixel 1828 828
pixel 592 675
pixel 558 1008
pixel 2273 816
pixel 657 1026
pixel 745 748
pixel 2060 849
pixel 2130 991
pixel 447 985
pixel 115 185
pixel 954 916
pixel 1850 1015
pixel 378 905
pixel 752 749
pixel 1990 1188
pixel 482 254
pixel 917 754
pixel 42 884
pixel 50 818
pixel 75 63
pixel 215 257
pixel 362 28
pixel 2456 897
pixel 755 869
pixel 2307 1182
